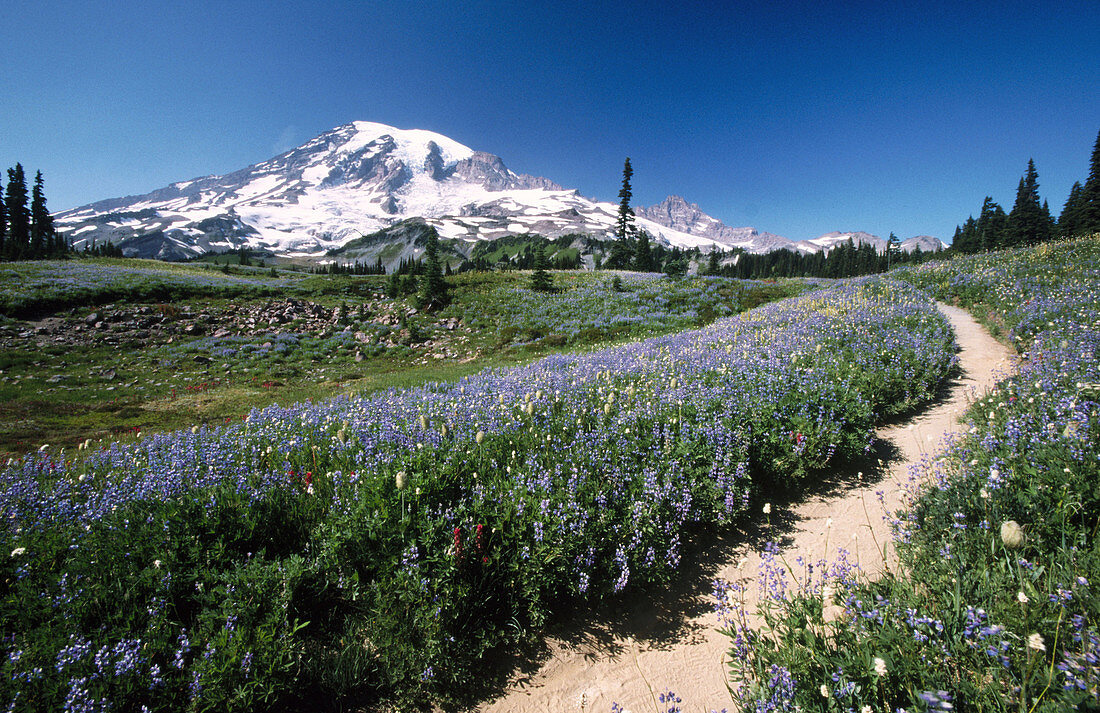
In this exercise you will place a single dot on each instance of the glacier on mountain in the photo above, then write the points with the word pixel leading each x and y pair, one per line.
pixel 364 176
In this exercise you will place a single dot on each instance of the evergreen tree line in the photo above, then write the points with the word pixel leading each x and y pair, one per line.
pixel 844 260
pixel 642 254
pixel 26 230
pixel 422 277
pixel 108 249
pixel 1031 222
pixel 356 268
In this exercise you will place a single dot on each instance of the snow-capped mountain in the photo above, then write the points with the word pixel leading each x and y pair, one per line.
pixel 363 177
pixel 828 241
pixel 676 213
pixel 347 182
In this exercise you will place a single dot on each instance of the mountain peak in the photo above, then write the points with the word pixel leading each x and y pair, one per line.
pixel 676 213
pixel 414 145
pixel 364 176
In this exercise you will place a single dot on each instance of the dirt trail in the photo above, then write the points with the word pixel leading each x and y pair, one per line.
pixel 670 641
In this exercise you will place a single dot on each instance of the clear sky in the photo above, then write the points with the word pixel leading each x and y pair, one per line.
pixel 797 118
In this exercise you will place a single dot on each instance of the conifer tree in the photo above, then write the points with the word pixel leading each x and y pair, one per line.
pixel 1049 224
pixel 42 231
pixel 19 217
pixel 968 239
pixel 1026 223
pixel 643 256
pixel 1070 219
pixel 713 264
pixel 540 278
pixel 1089 211
pixel 625 227
pixel 433 288
pixel 990 230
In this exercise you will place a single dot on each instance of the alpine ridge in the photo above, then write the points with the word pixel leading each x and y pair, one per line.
pixel 363 177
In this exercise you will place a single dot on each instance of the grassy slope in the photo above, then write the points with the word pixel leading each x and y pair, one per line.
pixel 160 387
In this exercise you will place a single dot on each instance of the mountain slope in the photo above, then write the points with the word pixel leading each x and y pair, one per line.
pixel 677 213
pixel 362 177
pixel 353 180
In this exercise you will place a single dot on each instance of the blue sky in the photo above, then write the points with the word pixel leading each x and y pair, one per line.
pixel 794 117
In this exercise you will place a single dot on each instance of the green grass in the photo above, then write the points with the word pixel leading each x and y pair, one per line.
pixel 163 388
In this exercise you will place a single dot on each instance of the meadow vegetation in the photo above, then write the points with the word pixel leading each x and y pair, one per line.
pixel 105 348
pixel 993 605
pixel 380 547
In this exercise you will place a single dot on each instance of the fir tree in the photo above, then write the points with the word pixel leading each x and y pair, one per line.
pixel 1070 221
pixel 625 227
pixel 677 267
pixel 42 231
pixel 1026 223
pixel 433 288
pixel 991 228
pixel 713 264
pixel 19 217
pixel 1049 224
pixel 1089 212
pixel 967 240
pixel 643 257
pixel 540 278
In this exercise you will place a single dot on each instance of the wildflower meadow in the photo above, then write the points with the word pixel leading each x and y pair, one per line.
pixel 383 547
pixel 993 605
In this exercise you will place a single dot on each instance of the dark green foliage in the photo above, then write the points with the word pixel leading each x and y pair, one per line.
pixel 42 231
pixel 625 227
pixel 1027 222
pixel 845 260
pixel 621 256
pixel 713 262
pixel 19 217
pixel 433 288
pixel 643 257
pixel 27 233
pixel 1030 222
pixel 356 268
pixel 676 268
pixel 540 278
pixel 992 226
pixel 1071 219
pixel 107 250
pixel 1089 210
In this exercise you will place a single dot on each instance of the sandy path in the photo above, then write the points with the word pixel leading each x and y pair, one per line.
pixel 670 641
